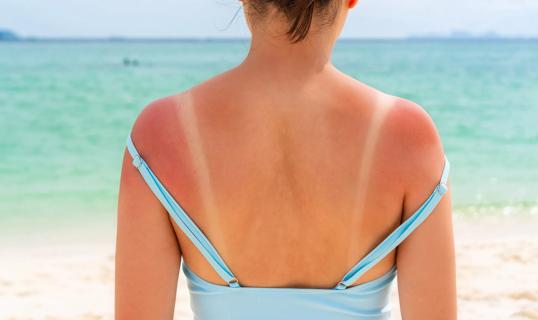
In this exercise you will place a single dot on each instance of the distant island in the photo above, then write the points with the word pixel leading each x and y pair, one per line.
pixel 457 34
pixel 8 35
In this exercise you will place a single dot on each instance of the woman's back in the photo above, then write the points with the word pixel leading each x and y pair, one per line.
pixel 293 177
pixel 278 187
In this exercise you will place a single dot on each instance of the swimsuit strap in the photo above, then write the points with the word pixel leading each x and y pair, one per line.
pixel 181 217
pixel 399 234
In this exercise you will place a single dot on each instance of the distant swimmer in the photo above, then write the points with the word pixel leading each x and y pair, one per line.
pixel 130 62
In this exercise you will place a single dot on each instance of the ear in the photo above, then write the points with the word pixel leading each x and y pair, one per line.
pixel 352 3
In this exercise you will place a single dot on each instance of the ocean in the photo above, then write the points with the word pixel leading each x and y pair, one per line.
pixel 66 108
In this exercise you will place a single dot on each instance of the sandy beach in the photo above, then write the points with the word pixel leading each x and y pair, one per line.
pixel 497 259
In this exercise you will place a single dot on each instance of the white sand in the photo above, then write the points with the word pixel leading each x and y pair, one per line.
pixel 497 262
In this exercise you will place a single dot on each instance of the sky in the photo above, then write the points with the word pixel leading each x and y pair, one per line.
pixel 215 18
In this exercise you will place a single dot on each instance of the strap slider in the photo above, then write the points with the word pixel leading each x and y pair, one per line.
pixel 137 161
pixel 233 283
pixel 442 188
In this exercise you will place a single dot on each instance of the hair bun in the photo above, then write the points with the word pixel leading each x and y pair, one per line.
pixel 299 13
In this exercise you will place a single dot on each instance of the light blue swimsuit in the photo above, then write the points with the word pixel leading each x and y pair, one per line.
pixel 209 301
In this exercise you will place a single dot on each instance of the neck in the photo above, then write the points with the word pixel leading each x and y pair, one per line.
pixel 277 57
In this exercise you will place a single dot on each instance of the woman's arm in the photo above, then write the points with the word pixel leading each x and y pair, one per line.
pixel 147 252
pixel 426 259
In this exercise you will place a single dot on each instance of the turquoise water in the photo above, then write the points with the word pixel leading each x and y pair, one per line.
pixel 66 107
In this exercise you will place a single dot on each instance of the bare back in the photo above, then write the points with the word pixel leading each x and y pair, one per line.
pixel 282 179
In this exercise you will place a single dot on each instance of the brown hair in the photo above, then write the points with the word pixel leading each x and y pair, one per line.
pixel 299 13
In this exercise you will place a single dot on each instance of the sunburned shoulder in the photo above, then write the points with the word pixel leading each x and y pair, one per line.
pixel 163 114
pixel 156 120
pixel 412 124
pixel 408 133
pixel 408 139
pixel 414 141
pixel 404 121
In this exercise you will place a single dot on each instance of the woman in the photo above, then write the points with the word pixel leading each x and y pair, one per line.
pixel 287 188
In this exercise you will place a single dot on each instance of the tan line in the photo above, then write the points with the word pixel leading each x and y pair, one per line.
pixel 382 104
pixel 195 145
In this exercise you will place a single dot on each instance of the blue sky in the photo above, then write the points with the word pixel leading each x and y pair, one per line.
pixel 209 18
